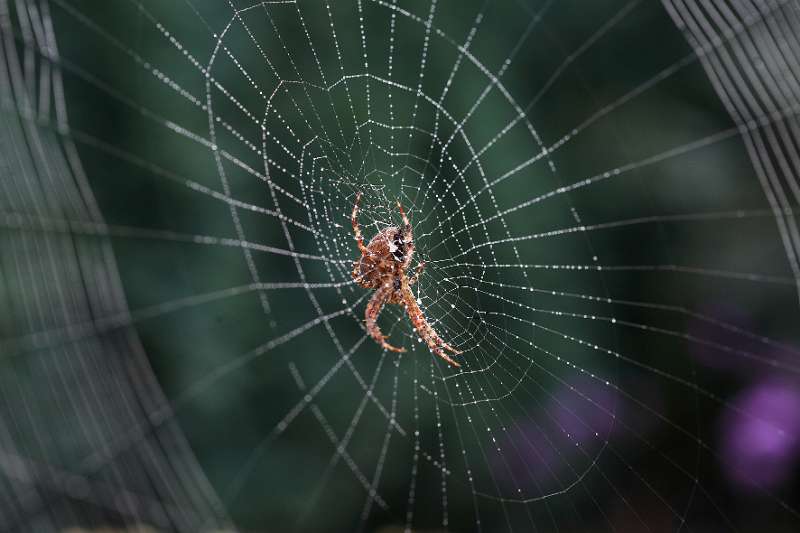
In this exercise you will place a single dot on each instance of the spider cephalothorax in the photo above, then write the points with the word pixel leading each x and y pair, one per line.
pixel 382 267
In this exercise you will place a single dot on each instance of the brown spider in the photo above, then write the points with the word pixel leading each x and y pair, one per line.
pixel 382 266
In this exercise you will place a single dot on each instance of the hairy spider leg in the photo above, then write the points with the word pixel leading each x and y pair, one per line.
pixel 359 237
pixel 426 332
pixel 403 214
pixel 356 228
pixel 374 307
pixel 407 224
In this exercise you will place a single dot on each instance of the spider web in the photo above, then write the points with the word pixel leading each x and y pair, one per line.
pixel 604 196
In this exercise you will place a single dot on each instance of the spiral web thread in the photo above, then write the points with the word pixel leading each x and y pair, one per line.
pixel 293 108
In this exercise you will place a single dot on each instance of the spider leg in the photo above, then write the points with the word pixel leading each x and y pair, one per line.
pixel 444 356
pixel 403 214
pixel 356 228
pixel 450 348
pixel 356 276
pixel 420 267
pixel 425 330
pixel 374 307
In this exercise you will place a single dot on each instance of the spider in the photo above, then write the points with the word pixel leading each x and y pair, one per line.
pixel 382 267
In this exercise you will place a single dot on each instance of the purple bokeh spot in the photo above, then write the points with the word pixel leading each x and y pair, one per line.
pixel 547 452
pixel 761 436
pixel 584 410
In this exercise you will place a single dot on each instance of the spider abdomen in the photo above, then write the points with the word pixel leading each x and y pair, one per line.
pixel 380 266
